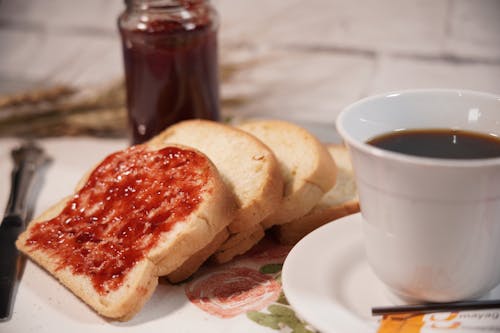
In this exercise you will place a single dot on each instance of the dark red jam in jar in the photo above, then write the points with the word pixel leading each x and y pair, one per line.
pixel 170 57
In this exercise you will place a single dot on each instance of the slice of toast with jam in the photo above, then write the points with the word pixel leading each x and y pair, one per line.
pixel 142 210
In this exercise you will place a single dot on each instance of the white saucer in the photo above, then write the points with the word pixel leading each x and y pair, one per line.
pixel 330 285
pixel 328 282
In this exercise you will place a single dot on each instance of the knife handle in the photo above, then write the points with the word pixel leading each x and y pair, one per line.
pixel 27 160
pixel 21 178
pixel 10 229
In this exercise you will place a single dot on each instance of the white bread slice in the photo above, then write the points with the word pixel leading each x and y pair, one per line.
pixel 248 166
pixel 177 238
pixel 306 165
pixel 238 244
pixel 340 201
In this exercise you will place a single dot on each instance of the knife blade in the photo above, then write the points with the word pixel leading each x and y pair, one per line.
pixel 29 160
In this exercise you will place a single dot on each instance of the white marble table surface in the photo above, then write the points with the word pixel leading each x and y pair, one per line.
pixel 299 60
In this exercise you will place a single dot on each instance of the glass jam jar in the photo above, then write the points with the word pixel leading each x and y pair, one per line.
pixel 171 68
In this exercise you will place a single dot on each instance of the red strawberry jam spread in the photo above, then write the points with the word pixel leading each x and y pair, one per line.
pixel 128 201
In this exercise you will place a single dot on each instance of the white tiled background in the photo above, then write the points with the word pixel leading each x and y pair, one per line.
pixel 303 60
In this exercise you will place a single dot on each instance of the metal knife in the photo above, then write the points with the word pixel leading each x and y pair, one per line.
pixel 29 160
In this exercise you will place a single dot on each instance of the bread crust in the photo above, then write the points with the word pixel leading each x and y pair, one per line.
pixel 340 201
pixel 238 244
pixel 212 215
pixel 193 263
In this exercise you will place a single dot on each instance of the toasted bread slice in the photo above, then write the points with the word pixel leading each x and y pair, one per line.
pixel 248 166
pixel 340 201
pixel 238 244
pixel 308 169
pixel 139 207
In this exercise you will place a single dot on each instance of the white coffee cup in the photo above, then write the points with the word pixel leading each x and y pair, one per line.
pixel 432 226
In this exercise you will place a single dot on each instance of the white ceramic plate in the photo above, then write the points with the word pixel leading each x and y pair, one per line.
pixel 328 282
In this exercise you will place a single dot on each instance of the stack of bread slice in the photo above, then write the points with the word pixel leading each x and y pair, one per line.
pixel 248 167
pixel 319 180
pixel 309 170
pixel 259 175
